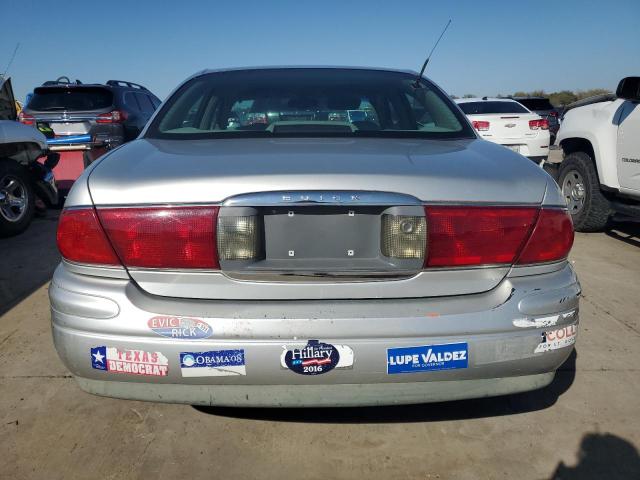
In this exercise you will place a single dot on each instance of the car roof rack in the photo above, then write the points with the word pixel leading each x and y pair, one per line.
pixel 123 83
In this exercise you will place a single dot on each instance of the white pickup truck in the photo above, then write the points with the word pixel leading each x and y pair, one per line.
pixel 600 172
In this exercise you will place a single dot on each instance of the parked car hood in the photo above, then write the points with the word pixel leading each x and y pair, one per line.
pixel 178 171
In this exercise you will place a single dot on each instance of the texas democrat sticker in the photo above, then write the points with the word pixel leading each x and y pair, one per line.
pixel 132 362
pixel 216 363
pixel 180 327
pixel 427 358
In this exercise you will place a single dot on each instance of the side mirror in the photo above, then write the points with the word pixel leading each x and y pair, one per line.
pixel 629 89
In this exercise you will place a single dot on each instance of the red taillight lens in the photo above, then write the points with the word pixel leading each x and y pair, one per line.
pixel 81 238
pixel 551 240
pixel 481 125
pixel 541 124
pixel 465 236
pixel 26 118
pixel 180 237
pixel 116 116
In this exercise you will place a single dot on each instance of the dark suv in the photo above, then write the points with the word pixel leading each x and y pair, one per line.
pixel 543 107
pixel 89 116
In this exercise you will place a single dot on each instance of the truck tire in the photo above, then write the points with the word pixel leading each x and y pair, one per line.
pixel 17 200
pixel 578 179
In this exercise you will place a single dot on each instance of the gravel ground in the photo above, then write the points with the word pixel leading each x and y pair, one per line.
pixel 583 426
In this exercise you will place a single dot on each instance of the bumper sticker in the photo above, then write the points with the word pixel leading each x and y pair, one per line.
pixel 427 358
pixel 316 358
pixel 555 339
pixel 132 362
pixel 179 327
pixel 541 322
pixel 216 363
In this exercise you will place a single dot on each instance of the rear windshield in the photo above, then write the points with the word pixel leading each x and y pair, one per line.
pixel 308 102
pixel 536 103
pixel 488 107
pixel 70 99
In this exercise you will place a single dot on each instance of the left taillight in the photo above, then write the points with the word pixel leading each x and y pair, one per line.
pixel 116 116
pixel 163 237
pixel 81 238
pixel 26 119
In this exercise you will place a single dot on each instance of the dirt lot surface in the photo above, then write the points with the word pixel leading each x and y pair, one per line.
pixel 585 425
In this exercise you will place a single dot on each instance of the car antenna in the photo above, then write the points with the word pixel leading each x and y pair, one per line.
pixel 15 50
pixel 424 66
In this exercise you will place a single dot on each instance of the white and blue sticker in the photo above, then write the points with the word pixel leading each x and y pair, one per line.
pixel 427 358
pixel 216 363
pixel 316 357
pixel 180 327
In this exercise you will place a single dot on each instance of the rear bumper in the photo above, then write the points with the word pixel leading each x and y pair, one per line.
pixel 501 331
pixel 342 395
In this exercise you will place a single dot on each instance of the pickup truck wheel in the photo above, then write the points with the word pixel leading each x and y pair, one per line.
pixel 17 200
pixel 578 180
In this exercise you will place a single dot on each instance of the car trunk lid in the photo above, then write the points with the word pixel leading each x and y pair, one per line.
pixel 319 206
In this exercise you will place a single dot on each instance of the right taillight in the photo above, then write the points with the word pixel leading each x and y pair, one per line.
pixel 539 124
pixel 26 119
pixel 476 236
pixel 473 236
pixel 481 125
pixel 116 116
pixel 551 239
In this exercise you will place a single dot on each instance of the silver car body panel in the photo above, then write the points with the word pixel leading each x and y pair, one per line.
pixel 487 322
pixel 501 312
pixel 211 171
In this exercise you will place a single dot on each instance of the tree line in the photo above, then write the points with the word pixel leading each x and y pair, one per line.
pixel 558 99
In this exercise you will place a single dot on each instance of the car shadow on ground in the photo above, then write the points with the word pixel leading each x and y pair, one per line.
pixel 432 412
pixel 27 261
pixel 626 232
pixel 601 456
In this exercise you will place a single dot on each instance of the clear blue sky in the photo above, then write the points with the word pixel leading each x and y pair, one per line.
pixel 491 47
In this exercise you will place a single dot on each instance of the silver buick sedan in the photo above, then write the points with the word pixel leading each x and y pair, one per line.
pixel 313 237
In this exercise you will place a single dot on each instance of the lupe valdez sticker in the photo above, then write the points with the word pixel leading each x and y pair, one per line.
pixel 216 363
pixel 132 362
pixel 555 339
pixel 179 327
pixel 427 357
pixel 316 358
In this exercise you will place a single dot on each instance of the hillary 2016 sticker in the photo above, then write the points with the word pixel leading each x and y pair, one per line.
pixel 316 358
pixel 427 358
pixel 555 339
pixel 180 327
pixel 216 363
pixel 132 362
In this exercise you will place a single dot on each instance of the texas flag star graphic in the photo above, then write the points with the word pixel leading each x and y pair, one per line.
pixel 98 355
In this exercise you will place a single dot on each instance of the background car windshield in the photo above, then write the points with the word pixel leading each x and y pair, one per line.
pixel 489 107
pixel 536 103
pixel 294 102
pixel 70 99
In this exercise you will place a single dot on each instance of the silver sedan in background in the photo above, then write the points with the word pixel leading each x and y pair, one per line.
pixel 313 237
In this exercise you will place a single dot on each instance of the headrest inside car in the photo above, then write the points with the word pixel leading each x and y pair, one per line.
pixel 343 102
pixel 303 103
